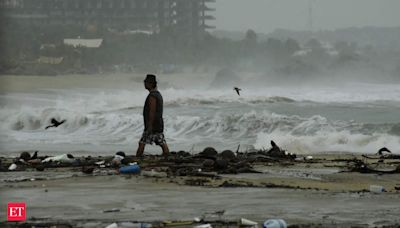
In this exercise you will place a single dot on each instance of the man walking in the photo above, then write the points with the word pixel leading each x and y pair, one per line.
pixel 153 120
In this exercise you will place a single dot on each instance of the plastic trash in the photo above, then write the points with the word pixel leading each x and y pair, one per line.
pixel 112 210
pixel 135 225
pixel 130 169
pixel 12 167
pixel 275 223
pixel 63 158
pixel 177 223
pixel 118 158
pixel 246 222
pixel 113 225
pixel 376 189
pixel 197 219
pixel 204 226
pixel 100 162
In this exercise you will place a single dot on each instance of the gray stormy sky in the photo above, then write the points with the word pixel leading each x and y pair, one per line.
pixel 267 15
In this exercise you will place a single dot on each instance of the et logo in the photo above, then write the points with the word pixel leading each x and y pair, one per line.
pixel 16 212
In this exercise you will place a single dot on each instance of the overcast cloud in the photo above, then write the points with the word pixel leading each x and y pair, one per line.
pixel 267 15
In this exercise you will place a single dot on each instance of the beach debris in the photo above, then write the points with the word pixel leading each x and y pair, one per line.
pixel 197 219
pixel 112 225
pixel 111 210
pixel 228 155
pixel 209 152
pixel 376 189
pixel 118 160
pixel 35 155
pixel 12 167
pixel 207 163
pixel 275 223
pixel 383 156
pixel 247 223
pixel 135 225
pixel 218 213
pixel 100 162
pixel 308 158
pixel 221 164
pixel 275 150
pixel 63 158
pixel 87 170
pixel 121 153
pixel 382 150
pixel 26 156
pixel 130 169
pixel 204 226
pixel 177 223
pixel 40 168
pixel 361 167
pixel 36 161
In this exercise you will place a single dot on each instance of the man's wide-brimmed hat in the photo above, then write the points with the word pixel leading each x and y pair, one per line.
pixel 150 78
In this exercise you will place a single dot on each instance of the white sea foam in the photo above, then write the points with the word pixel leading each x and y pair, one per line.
pixel 103 120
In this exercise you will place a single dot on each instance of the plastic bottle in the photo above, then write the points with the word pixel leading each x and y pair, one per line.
pixel 130 169
pixel 275 223
pixel 376 189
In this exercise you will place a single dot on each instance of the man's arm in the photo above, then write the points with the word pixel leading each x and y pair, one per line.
pixel 152 113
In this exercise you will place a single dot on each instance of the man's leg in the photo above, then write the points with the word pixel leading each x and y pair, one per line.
pixel 165 149
pixel 140 149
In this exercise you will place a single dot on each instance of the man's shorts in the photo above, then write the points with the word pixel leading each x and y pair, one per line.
pixel 157 138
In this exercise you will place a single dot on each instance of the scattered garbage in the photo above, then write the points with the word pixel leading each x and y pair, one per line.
pixel 376 189
pixel 117 160
pixel 63 158
pixel 113 225
pixel 275 223
pixel 26 156
pixel 112 210
pixel 248 223
pixel 100 162
pixel 362 167
pixel 204 226
pixel 177 223
pixel 87 170
pixel 12 167
pixel 130 169
pixel 197 219
pixel 135 225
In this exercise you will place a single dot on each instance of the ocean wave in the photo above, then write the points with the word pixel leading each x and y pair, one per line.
pixel 298 134
pixel 190 101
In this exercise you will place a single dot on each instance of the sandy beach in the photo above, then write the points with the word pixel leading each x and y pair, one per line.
pixel 320 192
pixel 324 186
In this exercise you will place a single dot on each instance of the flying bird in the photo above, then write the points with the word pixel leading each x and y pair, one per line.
pixel 55 123
pixel 237 90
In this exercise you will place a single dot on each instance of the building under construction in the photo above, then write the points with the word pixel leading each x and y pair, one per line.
pixel 186 17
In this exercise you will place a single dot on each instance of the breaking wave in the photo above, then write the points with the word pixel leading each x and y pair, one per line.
pixel 222 130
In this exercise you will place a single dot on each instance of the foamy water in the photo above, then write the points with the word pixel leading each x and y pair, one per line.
pixel 356 117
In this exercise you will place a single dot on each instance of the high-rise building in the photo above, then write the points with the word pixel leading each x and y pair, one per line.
pixel 187 17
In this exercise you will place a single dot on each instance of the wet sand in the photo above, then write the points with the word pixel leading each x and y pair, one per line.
pixel 313 193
